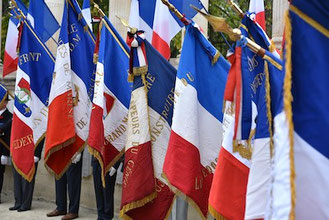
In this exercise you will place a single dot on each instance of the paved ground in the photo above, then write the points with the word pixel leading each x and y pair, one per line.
pixel 38 212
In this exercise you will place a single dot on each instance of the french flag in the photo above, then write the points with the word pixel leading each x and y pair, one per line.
pixel 301 155
pixel 138 184
pixel 42 20
pixel 160 80
pixel 86 13
pixel 196 134
pixel 33 81
pixel 229 185
pixel 81 51
pixel 256 125
pixel 10 59
pixel 160 25
pixel 61 129
pixel 256 7
pixel 109 116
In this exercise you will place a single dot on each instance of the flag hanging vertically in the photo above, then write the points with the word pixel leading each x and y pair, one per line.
pixel 247 117
pixel 160 80
pixel 81 45
pixel 196 134
pixel 10 58
pixel 254 70
pixel 138 184
pixel 86 13
pixel 257 8
pixel 32 88
pixel 108 123
pixel 42 19
pixel 61 130
pixel 301 153
pixel 158 22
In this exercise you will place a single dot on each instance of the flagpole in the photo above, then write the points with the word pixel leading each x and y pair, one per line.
pixel 220 24
pixel 236 8
pixel 175 11
pixel 100 11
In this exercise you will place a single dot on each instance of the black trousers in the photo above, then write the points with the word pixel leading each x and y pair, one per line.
pixel 104 196
pixel 2 171
pixel 23 190
pixel 70 182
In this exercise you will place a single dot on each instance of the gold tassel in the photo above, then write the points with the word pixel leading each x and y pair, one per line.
pixel 268 106
pixel 288 110
pixel 215 58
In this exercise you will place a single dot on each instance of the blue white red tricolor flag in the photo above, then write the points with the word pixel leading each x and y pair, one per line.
pixel 42 19
pixel 109 116
pixel 61 131
pixel 196 134
pixel 160 80
pixel 301 153
pixel 159 24
pixel 256 7
pixel 10 59
pixel 32 89
pixel 81 44
pixel 138 184
pixel 86 13
pixel 247 123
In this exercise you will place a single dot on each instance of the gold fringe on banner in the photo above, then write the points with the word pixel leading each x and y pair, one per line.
pixel 136 204
pixel 29 176
pixel 215 214
pixel 288 110
pixel 184 196
pixel 58 176
pixel 268 106
pixel 98 156
pixel 170 208
pixel 215 58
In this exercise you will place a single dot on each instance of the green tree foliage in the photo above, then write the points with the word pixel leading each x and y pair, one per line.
pixel 222 9
pixel 216 7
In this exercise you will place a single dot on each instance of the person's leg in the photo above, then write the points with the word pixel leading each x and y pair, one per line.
pixel 2 170
pixel 109 195
pixel 74 174
pixel 61 193
pixel 17 190
pixel 28 188
pixel 98 188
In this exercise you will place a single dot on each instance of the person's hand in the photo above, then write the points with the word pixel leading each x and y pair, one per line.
pixel 4 160
pixel 76 158
pixel 36 159
pixel 112 171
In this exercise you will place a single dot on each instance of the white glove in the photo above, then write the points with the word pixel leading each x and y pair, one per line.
pixel 76 158
pixel 112 171
pixel 4 160
pixel 36 159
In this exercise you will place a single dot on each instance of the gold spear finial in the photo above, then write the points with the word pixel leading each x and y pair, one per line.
pixel 132 30
pixel 100 11
pixel 236 8
pixel 12 5
pixel 220 24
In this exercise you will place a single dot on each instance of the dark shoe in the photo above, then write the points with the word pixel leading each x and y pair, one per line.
pixel 55 213
pixel 22 210
pixel 70 216
pixel 14 208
